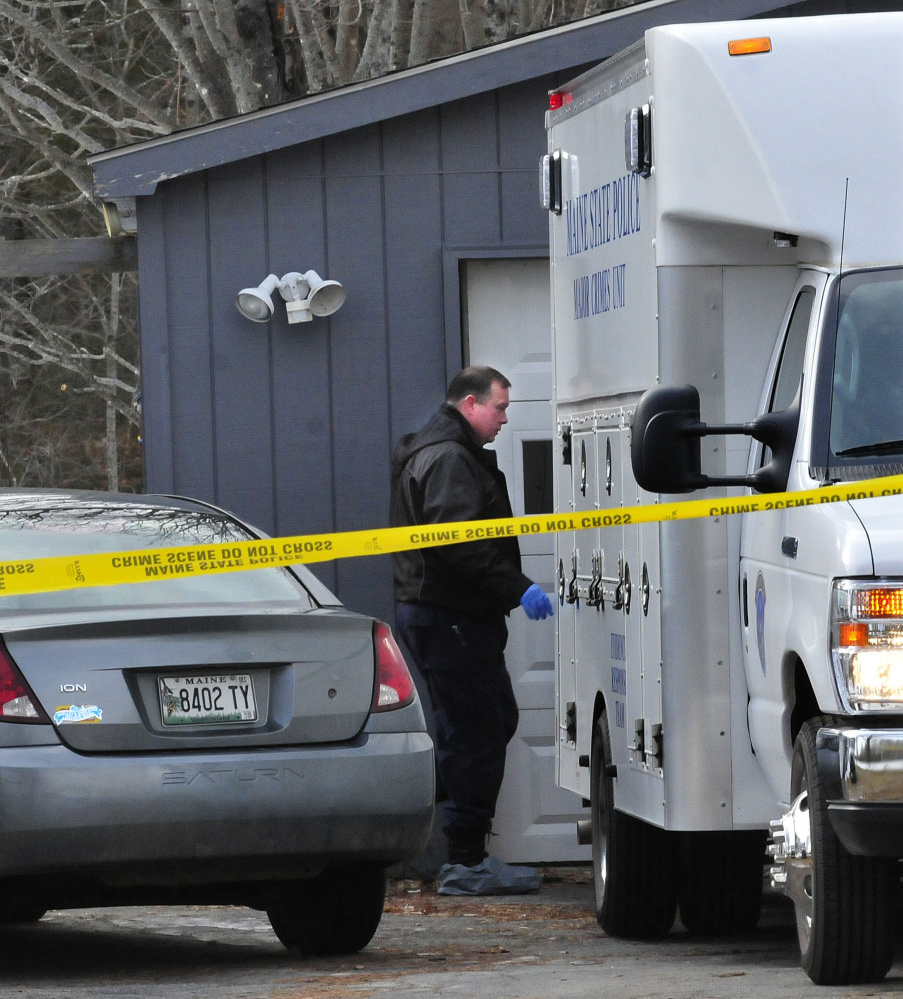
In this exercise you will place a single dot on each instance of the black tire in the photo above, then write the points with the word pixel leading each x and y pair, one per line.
pixel 843 902
pixel 721 881
pixel 335 913
pixel 634 863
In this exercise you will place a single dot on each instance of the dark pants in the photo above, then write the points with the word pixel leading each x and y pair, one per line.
pixel 462 659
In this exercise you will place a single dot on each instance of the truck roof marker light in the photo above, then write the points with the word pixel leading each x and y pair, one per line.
pixel 749 46
pixel 558 99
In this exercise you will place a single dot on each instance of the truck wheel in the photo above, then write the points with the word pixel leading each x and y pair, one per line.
pixel 335 913
pixel 843 902
pixel 634 863
pixel 721 877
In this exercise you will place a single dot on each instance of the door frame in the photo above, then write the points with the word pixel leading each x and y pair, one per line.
pixel 453 286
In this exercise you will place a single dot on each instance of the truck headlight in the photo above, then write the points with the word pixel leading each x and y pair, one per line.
pixel 867 643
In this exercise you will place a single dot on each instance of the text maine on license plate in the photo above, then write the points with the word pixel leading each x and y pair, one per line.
pixel 210 699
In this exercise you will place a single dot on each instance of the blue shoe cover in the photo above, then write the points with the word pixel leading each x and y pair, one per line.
pixel 491 877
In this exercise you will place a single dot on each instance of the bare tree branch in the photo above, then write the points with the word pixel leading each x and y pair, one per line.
pixel 54 44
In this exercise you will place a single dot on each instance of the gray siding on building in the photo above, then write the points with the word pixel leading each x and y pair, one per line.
pixel 292 427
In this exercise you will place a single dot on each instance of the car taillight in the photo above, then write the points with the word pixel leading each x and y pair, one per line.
pixel 17 702
pixel 394 686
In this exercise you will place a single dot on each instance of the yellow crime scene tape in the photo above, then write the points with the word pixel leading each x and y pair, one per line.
pixel 150 564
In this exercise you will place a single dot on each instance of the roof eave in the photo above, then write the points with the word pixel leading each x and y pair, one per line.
pixel 135 170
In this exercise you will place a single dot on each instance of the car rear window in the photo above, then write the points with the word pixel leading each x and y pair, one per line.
pixel 76 528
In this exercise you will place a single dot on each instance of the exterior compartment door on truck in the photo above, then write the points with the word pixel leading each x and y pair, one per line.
pixel 634 633
pixel 605 644
pixel 567 770
pixel 581 589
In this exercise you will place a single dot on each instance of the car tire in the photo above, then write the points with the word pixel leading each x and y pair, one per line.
pixel 336 912
pixel 721 881
pixel 844 908
pixel 634 863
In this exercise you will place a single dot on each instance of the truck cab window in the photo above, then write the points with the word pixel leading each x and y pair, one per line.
pixel 790 367
pixel 867 388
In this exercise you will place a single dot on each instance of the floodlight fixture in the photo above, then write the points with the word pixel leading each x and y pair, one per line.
pixel 325 296
pixel 256 304
pixel 305 295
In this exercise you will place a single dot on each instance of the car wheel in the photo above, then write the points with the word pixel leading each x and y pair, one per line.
pixel 721 881
pixel 634 863
pixel 335 913
pixel 843 902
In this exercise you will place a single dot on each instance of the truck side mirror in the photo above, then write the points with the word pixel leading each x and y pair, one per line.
pixel 665 451
pixel 664 445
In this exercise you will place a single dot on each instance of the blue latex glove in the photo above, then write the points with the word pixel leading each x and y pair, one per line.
pixel 536 603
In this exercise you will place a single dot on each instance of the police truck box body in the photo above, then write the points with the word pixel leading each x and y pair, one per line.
pixel 707 189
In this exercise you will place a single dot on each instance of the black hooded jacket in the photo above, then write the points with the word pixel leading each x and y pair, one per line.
pixel 440 474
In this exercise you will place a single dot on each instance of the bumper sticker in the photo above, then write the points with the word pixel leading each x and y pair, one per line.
pixel 72 714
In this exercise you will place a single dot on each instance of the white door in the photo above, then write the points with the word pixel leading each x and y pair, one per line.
pixel 507 325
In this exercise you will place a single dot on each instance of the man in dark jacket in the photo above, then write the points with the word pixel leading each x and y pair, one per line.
pixel 452 601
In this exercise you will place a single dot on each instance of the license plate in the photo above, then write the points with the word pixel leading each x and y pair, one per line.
pixel 211 699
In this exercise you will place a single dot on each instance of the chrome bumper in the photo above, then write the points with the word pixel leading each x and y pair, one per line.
pixel 864 765
pixel 861 772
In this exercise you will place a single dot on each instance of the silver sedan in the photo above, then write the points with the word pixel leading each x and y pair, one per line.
pixel 238 738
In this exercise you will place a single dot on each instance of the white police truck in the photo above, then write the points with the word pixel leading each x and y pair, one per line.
pixel 726 222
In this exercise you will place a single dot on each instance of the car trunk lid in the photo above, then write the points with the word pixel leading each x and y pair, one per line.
pixel 161 683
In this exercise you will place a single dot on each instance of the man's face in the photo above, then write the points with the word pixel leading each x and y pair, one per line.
pixel 487 418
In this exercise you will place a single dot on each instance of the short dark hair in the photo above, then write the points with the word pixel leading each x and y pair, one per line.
pixel 477 380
